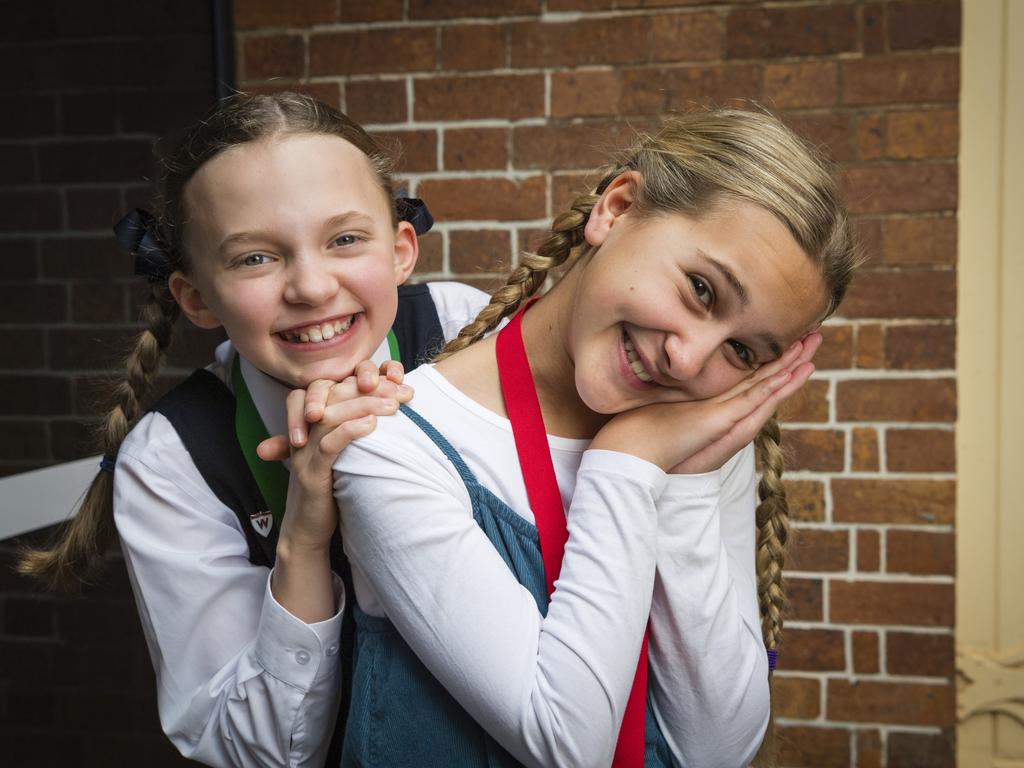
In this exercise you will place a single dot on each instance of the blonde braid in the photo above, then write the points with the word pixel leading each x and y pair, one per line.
pixel 526 279
pixel 83 541
pixel 772 535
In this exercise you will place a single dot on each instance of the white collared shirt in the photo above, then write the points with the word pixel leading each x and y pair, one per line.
pixel 240 680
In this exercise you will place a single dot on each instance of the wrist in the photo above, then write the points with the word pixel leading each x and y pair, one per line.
pixel 302 549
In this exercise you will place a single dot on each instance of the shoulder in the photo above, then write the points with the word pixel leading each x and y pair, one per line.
pixel 457 303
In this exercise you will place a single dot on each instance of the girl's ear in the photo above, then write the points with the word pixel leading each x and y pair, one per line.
pixel 187 294
pixel 616 199
pixel 407 250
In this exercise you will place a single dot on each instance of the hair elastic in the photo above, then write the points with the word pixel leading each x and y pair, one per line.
pixel 414 210
pixel 772 656
pixel 136 232
pixel 107 464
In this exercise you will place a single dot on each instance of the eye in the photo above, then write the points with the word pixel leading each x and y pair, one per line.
pixel 346 239
pixel 702 290
pixel 743 352
pixel 254 259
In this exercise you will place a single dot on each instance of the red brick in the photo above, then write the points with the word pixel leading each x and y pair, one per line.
pixel 582 42
pixel 873 20
pixel 99 302
pixel 814 549
pixel 864 450
pixel 924 24
pixel 487 250
pixel 476 46
pixel 904 294
pixel 801 84
pixel 467 98
pixel 431 257
pixel 919 240
pixel 653 91
pixel 24 440
pixel 865 652
pixel 803 599
pixel 810 747
pixel 920 552
pixel 474 149
pixel 830 132
pixel 893 501
pixel 566 147
pixel 98 258
pixel 881 602
pixel 922 750
pixel 594 5
pixel 271 13
pixel 919 654
pixel 796 697
pixel 818 450
pixel 686 37
pixel 870 346
pixel 836 350
pixel 451 9
pixel 920 347
pixel 95 208
pixel 584 94
pixel 901 188
pixel 270 56
pixel 868 234
pixel 566 187
pixel 90 162
pixel 378 10
pixel 22 348
pixel 868 551
pixel 813 650
pixel 372 51
pixel 920 450
pixel 801 31
pixel 328 93
pixel 34 394
pixel 808 404
pixel 894 703
pixel 869 749
pixel 897 400
pixel 806 500
pixel 32 303
pixel 77 349
pixel 417 149
pixel 898 79
pixel 376 101
pixel 922 135
pixel 485 199
pixel 870 130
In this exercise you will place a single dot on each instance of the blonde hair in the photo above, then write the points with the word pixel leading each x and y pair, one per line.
pixel 691 164
pixel 81 544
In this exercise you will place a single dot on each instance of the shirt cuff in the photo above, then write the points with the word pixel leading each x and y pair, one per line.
pixel 295 652
pixel 625 465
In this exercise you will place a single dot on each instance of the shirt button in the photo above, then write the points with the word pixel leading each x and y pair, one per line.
pixel 332 649
pixel 302 657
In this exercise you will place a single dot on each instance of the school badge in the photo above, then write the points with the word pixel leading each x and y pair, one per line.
pixel 262 522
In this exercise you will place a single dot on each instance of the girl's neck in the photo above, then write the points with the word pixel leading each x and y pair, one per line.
pixel 545 334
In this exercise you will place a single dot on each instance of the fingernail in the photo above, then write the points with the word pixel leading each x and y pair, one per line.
pixel 389 402
pixel 404 389
pixel 296 436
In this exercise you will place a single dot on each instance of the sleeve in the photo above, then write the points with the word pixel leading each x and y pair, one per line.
pixel 709 669
pixel 550 690
pixel 457 305
pixel 240 681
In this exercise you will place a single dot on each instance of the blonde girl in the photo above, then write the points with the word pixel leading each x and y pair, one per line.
pixel 277 222
pixel 704 261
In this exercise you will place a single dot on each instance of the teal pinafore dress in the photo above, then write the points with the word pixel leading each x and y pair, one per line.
pixel 400 715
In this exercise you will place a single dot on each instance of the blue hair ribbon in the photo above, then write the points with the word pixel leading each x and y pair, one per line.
pixel 136 233
pixel 415 211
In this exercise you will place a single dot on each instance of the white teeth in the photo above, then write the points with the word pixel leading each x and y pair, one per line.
pixel 638 369
pixel 320 333
pixel 634 361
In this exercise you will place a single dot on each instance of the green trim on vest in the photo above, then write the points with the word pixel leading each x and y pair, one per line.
pixel 393 345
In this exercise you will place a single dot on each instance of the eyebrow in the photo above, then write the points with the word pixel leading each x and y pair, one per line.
pixel 741 292
pixel 259 234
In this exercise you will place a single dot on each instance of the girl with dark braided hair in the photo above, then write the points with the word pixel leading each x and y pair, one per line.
pixel 558 553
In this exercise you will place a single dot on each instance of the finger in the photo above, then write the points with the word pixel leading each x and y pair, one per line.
pixel 766 371
pixel 273 448
pixel 316 399
pixel 811 343
pixel 335 441
pixel 367 376
pixel 351 410
pixel 751 424
pixel 295 410
pixel 393 370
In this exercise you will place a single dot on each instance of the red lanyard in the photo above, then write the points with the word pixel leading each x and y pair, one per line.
pixel 524 412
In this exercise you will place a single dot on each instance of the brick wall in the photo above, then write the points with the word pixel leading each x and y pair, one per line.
pixel 87 88
pixel 503 106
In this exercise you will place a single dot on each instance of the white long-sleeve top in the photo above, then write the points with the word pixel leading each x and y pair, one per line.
pixel 240 680
pixel 552 690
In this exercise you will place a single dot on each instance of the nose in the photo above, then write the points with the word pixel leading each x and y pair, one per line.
pixel 689 355
pixel 309 280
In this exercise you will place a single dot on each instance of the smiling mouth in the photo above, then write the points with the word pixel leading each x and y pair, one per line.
pixel 635 364
pixel 319 333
